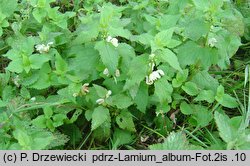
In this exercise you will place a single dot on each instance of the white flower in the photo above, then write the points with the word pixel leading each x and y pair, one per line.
pixel 75 94
pixel 16 81
pixel 33 99
pixel 155 75
pixel 149 82
pixel 85 88
pixel 151 56
pixel 108 93
pixel 109 38
pixel 42 48
pixel 112 40
pixel 117 73
pixel 106 72
pixel 100 101
pixel 212 41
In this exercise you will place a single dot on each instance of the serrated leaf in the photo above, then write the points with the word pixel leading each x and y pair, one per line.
pixel 190 88
pixel 16 66
pixel 206 95
pixel 48 112
pixel 40 121
pixel 37 61
pixel 202 115
pixel 195 29
pixel 168 56
pixel 180 78
pixel 121 101
pixel 102 133
pixel 58 119
pixel 61 65
pixel 125 121
pixel 24 92
pixel 99 116
pixel 100 91
pixel 142 98
pixel 163 38
pixel 163 90
pixel 121 137
pixel 109 55
pixel 225 130
pixel 186 109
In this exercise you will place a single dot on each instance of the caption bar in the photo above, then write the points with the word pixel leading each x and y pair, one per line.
pixel 139 157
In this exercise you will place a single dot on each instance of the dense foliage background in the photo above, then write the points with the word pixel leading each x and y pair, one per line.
pixel 124 74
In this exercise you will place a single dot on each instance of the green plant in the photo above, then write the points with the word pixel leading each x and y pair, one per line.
pixel 110 70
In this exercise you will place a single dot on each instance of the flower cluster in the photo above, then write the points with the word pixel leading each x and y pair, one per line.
pixel 42 48
pixel 112 40
pixel 101 100
pixel 154 76
pixel 84 90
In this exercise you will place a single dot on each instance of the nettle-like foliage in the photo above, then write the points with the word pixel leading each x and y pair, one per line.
pixel 107 66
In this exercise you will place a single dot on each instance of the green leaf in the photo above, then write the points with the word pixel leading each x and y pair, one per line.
pixel 40 121
pixel 125 121
pixel 48 112
pixel 186 109
pixel 24 92
pixel 190 88
pixel 168 56
pixel 121 101
pixel 75 116
pixel 109 55
pixel 206 95
pixel 225 99
pixel 16 66
pixel 163 38
pixel 41 139
pixel 202 115
pixel 195 29
pixel 175 141
pixel 180 78
pixel 191 53
pixel 225 129
pixel 23 138
pixel 142 98
pixel 37 60
pixel 121 137
pixel 100 91
pixel 163 90
pixel 99 116
pixel 61 65
pixel 58 119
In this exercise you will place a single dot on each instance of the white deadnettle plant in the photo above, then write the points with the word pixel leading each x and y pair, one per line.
pixel 113 41
pixel 42 48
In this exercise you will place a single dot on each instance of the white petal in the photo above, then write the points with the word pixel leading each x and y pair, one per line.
pixel 100 101
pixel 114 41
pixel 108 93
pixel 117 73
pixel 75 94
pixel 109 38
pixel 33 99
pixel 149 82
pixel 106 71
pixel 161 72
